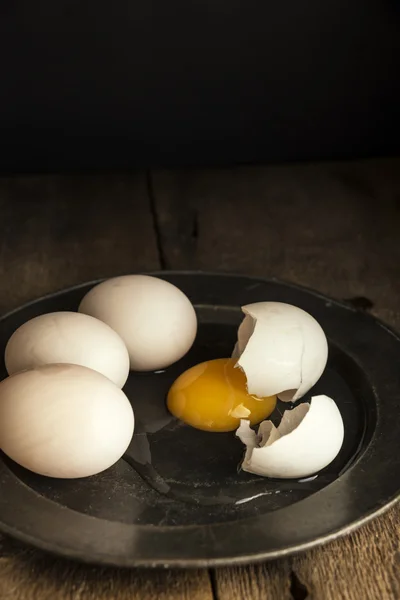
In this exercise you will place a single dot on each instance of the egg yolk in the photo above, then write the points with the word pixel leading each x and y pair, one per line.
pixel 213 396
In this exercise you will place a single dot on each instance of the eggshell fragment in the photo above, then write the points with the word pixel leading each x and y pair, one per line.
pixel 281 349
pixel 308 438
pixel 155 319
pixel 64 420
pixel 68 337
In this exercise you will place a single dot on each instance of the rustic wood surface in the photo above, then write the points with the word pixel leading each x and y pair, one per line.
pixel 333 227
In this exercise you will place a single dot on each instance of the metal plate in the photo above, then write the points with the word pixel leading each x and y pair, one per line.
pixel 177 498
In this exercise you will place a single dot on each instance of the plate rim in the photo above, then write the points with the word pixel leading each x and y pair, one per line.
pixel 229 274
pixel 105 559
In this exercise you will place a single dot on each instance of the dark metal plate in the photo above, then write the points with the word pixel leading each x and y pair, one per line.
pixel 176 498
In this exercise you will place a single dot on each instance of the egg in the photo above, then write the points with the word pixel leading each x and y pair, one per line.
pixel 212 396
pixel 155 319
pixel 68 337
pixel 308 439
pixel 64 420
pixel 281 349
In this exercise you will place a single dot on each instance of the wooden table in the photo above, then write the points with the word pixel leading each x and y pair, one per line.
pixel 333 227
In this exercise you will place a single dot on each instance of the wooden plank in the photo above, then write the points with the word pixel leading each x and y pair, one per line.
pixel 270 581
pixel 364 565
pixel 333 227
pixel 316 225
pixel 55 232
pixel 102 241
pixel 29 575
pixel 58 231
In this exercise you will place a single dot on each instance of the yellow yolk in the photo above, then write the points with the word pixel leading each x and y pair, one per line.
pixel 213 396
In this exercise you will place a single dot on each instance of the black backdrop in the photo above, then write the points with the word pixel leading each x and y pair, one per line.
pixel 128 83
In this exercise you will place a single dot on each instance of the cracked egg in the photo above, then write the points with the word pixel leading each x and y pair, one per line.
pixel 307 440
pixel 281 349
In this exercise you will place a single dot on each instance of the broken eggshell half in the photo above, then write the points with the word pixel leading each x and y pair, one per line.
pixel 308 439
pixel 281 349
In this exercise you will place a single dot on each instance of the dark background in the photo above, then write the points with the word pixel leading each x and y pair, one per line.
pixel 94 84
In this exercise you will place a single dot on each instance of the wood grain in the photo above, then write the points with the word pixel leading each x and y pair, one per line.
pixel 59 231
pixel 365 564
pixel 26 574
pixel 270 581
pixel 333 227
pixel 315 225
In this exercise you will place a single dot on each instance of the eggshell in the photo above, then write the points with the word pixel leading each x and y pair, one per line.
pixel 68 337
pixel 154 318
pixel 64 420
pixel 308 438
pixel 282 350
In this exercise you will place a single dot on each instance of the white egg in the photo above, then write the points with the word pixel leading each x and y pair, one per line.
pixel 64 420
pixel 281 349
pixel 308 438
pixel 68 337
pixel 154 318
